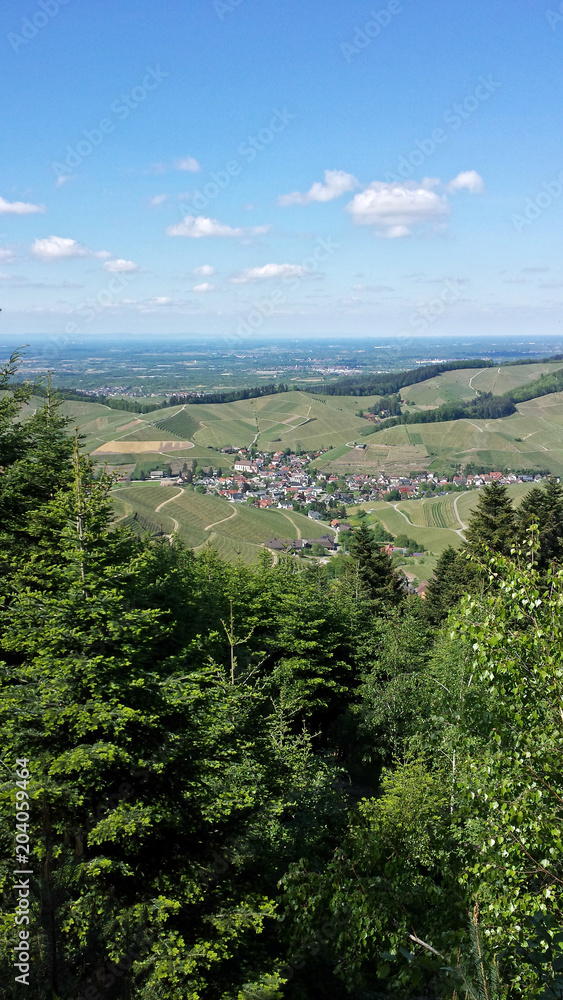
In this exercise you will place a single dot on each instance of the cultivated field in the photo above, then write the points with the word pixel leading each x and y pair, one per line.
pixel 433 522
pixel 532 439
pixel 466 383
pixel 235 530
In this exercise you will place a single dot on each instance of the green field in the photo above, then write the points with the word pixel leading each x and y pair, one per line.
pixel 465 383
pixel 431 521
pixel 235 530
pixel 531 439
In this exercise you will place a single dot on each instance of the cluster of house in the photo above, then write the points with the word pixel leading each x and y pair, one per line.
pixel 281 480
pixel 277 480
pixel 303 544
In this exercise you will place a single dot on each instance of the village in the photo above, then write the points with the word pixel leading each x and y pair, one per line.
pixel 289 481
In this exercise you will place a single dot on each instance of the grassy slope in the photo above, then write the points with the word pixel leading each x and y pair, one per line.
pixel 431 522
pixel 236 531
pixel 530 438
pixel 453 386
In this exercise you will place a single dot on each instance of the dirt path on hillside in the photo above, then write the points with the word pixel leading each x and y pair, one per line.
pixel 221 521
pixel 295 528
pixel 163 504
pixel 471 386
pixel 402 513
pixel 463 526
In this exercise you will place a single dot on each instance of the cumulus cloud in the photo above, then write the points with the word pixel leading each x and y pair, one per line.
pixel 120 265
pixel 205 271
pixel 269 271
pixel 198 226
pixel 395 208
pixel 468 180
pixel 60 247
pixel 158 199
pixel 19 207
pixel 204 287
pixel 337 183
pixel 188 163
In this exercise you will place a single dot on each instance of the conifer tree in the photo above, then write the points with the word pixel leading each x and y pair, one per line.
pixel 374 568
pixel 454 576
pixel 544 506
pixel 493 523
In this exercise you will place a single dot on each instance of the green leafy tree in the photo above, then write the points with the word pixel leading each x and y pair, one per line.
pixel 149 761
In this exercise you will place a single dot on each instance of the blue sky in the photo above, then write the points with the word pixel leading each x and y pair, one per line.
pixel 223 167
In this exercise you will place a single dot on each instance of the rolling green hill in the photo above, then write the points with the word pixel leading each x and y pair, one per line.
pixel 531 438
pixel 236 531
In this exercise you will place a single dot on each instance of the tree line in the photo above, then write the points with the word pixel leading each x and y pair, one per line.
pixel 270 782
pixel 135 406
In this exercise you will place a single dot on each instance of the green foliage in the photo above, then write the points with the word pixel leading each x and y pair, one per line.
pixel 375 571
pixel 493 523
pixel 281 781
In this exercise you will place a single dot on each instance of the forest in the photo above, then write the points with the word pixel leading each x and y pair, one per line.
pixel 272 783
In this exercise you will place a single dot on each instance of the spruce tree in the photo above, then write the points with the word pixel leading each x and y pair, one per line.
pixel 454 576
pixel 493 523
pixel 374 568
pixel 544 507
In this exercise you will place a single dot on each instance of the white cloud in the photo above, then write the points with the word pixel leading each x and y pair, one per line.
pixel 269 271
pixel 337 182
pixel 59 247
pixel 19 207
pixel 395 208
pixel 468 180
pixel 120 265
pixel 6 255
pixel 64 179
pixel 198 226
pixel 204 287
pixel 188 163
pixel 158 199
pixel 205 271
